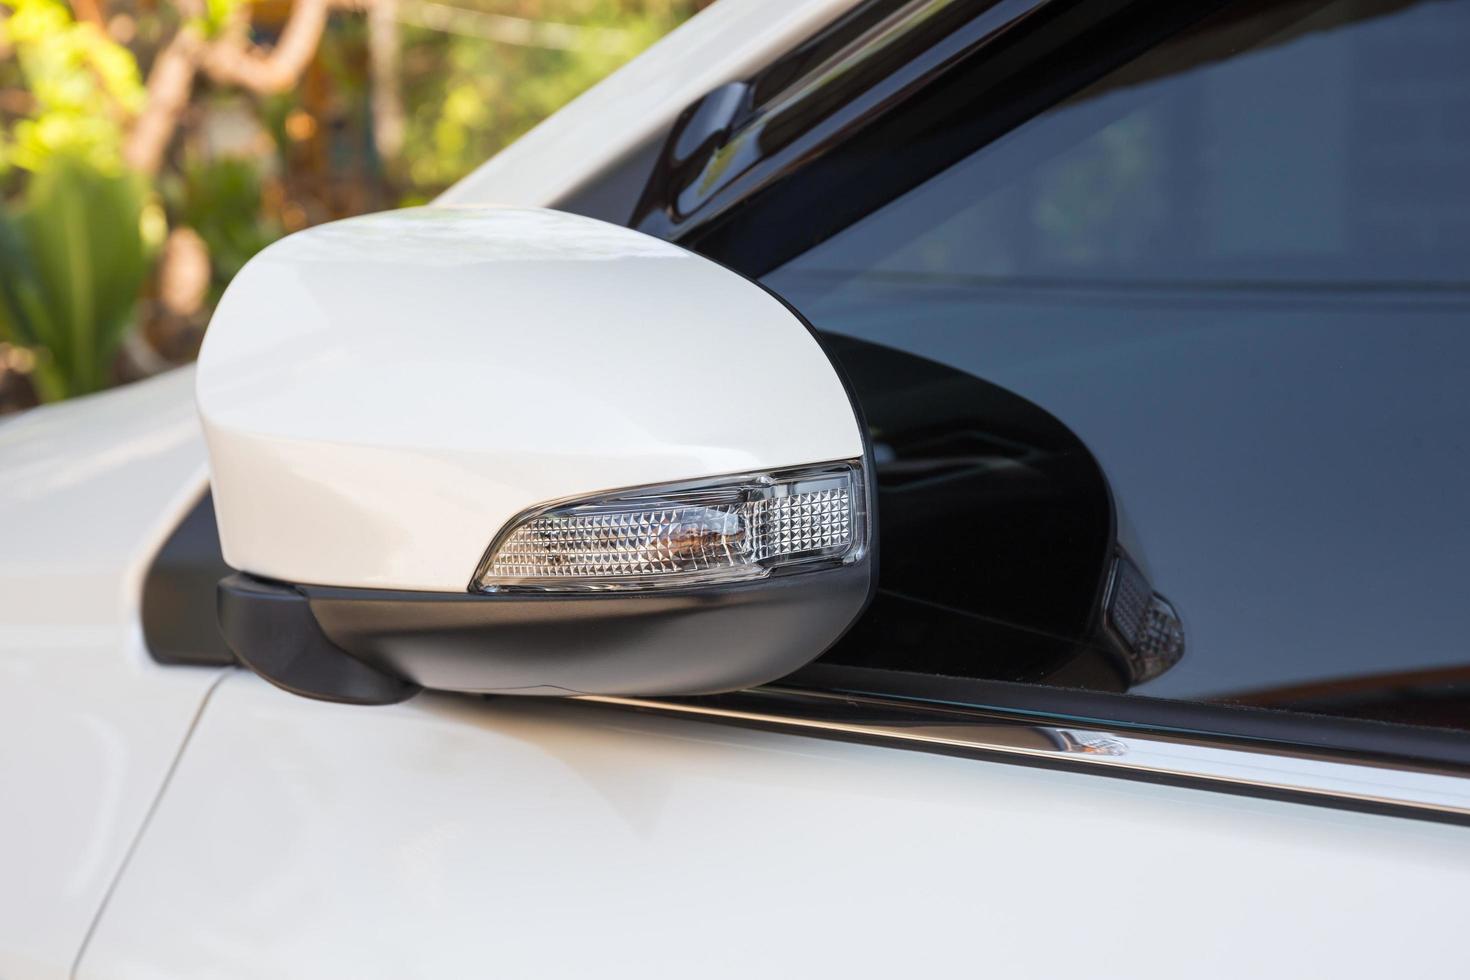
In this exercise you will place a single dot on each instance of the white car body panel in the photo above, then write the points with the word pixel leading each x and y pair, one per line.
pixel 531 355
pixel 458 836
pixel 89 724
pixel 454 836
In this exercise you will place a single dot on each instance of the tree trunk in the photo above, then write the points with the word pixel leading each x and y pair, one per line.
pixel 387 98
pixel 228 60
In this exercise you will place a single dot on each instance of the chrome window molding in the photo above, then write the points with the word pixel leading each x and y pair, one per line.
pixel 1296 773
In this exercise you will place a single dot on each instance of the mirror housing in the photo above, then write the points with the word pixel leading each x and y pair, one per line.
pixel 668 462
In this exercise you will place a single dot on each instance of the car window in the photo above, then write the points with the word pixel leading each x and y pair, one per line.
pixel 1237 272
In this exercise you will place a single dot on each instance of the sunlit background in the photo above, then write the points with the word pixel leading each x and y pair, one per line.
pixel 148 148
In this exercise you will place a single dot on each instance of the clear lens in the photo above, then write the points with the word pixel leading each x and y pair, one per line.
pixel 1150 629
pixel 730 529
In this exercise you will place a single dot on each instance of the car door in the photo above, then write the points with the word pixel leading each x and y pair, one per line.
pixel 1142 305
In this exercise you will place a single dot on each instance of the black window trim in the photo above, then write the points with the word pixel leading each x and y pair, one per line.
pixel 1345 738
pixel 991 66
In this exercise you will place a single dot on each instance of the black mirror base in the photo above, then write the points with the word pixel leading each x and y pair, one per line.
pixel 272 630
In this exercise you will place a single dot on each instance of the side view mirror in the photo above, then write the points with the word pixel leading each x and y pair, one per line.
pixel 498 450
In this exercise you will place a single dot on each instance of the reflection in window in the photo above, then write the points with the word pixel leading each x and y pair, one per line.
pixel 1239 270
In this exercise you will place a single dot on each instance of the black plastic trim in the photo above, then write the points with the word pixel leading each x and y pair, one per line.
pixel 705 640
pixel 370 646
pixel 179 623
pixel 272 630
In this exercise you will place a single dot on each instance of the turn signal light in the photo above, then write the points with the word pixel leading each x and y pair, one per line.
pixel 1150 631
pixel 729 529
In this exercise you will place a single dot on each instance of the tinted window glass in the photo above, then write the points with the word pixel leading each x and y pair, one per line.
pixel 1238 272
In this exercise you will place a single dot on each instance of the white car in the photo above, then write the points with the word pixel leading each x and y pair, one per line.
pixel 868 490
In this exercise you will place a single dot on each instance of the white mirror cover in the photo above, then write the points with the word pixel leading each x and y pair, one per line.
pixel 382 395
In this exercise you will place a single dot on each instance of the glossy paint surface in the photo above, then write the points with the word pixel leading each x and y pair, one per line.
pixel 89 725
pixel 382 395
pixel 452 836
pixel 726 41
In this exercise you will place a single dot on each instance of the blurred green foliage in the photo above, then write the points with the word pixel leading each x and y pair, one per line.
pixel 72 258
pixel 467 97
pixel 81 237
pixel 221 199
pixel 80 83
pixel 75 245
